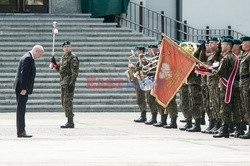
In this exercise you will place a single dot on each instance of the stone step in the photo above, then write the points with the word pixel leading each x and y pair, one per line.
pixel 90 70
pixel 79 39
pixel 43 15
pixel 76 96
pixel 76 102
pixel 48 44
pixel 77 91
pixel 63 30
pixel 62 23
pixel 48 20
pixel 77 108
pixel 75 49
pixel 69 35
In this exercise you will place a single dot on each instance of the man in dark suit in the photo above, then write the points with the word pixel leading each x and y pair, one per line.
pixel 23 85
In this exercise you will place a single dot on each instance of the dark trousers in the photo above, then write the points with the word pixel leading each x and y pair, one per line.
pixel 20 112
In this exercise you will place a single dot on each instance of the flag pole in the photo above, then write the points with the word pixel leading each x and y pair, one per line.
pixel 181 49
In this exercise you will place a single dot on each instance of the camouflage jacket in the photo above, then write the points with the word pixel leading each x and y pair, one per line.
pixel 68 68
pixel 245 70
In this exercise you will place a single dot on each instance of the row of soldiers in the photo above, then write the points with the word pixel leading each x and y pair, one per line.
pixel 225 90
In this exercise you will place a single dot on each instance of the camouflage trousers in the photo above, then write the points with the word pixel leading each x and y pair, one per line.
pixel 67 100
pixel 184 102
pixel 227 110
pixel 194 100
pixel 214 100
pixel 151 102
pixel 141 99
pixel 171 109
pixel 205 98
pixel 245 102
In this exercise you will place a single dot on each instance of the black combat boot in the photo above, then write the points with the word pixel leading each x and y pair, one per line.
pixel 238 131
pixel 196 127
pixel 183 120
pixel 172 124
pixel 210 126
pixel 203 121
pixel 247 135
pixel 217 128
pixel 69 124
pixel 152 120
pixel 162 122
pixel 224 133
pixel 142 118
pixel 188 125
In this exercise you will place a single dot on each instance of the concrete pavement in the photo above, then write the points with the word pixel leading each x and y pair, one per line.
pixel 112 139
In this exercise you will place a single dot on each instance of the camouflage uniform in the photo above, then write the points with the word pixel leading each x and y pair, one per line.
pixel 68 68
pixel 184 102
pixel 245 84
pixel 213 86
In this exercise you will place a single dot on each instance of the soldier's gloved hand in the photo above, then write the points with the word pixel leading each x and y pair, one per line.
pixel 53 60
pixel 71 87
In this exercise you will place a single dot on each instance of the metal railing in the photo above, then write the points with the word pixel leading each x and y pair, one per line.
pixel 142 19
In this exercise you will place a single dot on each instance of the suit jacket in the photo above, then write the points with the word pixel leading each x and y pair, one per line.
pixel 25 74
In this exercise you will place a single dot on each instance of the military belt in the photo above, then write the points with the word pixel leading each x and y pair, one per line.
pixel 244 76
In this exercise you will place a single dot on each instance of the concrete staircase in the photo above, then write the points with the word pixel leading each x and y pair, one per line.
pixel 102 49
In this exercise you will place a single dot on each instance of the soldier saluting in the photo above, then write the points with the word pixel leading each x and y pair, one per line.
pixel 68 68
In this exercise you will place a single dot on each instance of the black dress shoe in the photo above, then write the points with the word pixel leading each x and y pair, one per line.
pixel 68 125
pixel 24 135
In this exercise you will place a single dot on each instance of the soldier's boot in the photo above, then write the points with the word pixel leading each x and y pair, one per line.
pixel 238 131
pixel 152 120
pixel 247 135
pixel 172 125
pixel 203 121
pixel 224 133
pixel 231 128
pixel 210 126
pixel 183 120
pixel 162 122
pixel 196 127
pixel 217 128
pixel 217 125
pixel 69 124
pixel 188 125
pixel 142 118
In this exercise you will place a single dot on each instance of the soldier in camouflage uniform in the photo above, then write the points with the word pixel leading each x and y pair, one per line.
pixel 245 82
pixel 139 75
pixel 213 83
pixel 185 108
pixel 153 52
pixel 68 68
pixel 226 70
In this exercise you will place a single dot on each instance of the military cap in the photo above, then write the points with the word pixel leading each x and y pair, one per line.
pixel 201 41
pixel 245 38
pixel 183 40
pixel 213 38
pixel 140 47
pixel 152 46
pixel 228 40
pixel 237 41
pixel 66 43
pixel 229 36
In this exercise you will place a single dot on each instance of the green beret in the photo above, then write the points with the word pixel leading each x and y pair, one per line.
pixel 140 47
pixel 245 38
pixel 66 43
pixel 201 41
pixel 229 36
pixel 152 46
pixel 213 38
pixel 228 40
pixel 159 42
pixel 183 40
pixel 237 41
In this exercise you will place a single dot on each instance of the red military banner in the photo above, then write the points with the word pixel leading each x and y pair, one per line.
pixel 173 68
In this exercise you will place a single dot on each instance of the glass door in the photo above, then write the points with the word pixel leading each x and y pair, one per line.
pixel 24 6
